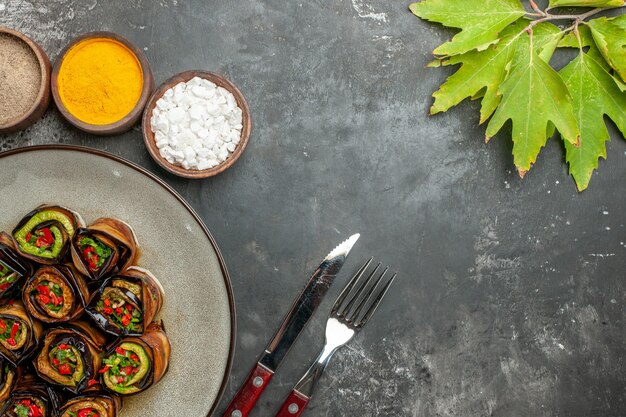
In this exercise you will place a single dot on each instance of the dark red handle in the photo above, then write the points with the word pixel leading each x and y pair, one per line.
pixel 249 392
pixel 294 405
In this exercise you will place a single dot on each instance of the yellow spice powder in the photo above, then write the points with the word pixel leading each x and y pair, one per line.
pixel 100 81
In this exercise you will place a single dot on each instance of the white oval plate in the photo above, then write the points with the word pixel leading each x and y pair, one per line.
pixel 176 246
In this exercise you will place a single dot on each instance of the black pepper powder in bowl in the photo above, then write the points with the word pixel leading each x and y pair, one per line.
pixel 24 81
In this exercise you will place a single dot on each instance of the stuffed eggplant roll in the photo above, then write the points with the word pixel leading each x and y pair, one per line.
pixel 70 356
pixel 28 404
pixel 105 247
pixel 8 378
pixel 55 294
pixel 13 270
pixel 30 398
pixel 19 334
pixel 97 405
pixel 126 302
pixel 44 235
pixel 137 363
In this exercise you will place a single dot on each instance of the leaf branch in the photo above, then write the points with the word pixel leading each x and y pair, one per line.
pixel 511 73
pixel 580 42
pixel 538 11
pixel 578 18
pixel 545 15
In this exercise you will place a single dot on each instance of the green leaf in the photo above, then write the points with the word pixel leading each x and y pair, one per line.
pixel 546 40
pixel 586 3
pixel 571 41
pixel 480 21
pixel 595 94
pixel 532 96
pixel 481 73
pixel 586 41
pixel 610 37
pixel 620 21
pixel 507 66
pixel 480 94
pixel 620 84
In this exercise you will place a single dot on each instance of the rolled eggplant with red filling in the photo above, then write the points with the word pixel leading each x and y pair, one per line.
pixel 97 405
pixel 126 302
pixel 44 234
pixel 55 294
pixel 19 334
pixel 13 269
pixel 105 247
pixel 70 356
pixel 137 363
pixel 28 404
pixel 8 379
pixel 31 398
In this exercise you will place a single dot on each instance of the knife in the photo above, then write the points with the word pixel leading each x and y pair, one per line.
pixel 299 314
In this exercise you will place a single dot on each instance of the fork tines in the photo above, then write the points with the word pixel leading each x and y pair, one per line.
pixel 359 300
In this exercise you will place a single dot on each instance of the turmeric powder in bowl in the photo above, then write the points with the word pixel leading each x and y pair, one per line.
pixel 101 81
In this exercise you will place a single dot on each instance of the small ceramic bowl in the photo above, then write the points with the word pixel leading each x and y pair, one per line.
pixel 43 97
pixel 148 135
pixel 128 121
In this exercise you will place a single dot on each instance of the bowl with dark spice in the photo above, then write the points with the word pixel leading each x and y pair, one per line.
pixel 24 81
pixel 101 82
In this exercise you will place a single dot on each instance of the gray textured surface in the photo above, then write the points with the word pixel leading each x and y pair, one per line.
pixel 511 297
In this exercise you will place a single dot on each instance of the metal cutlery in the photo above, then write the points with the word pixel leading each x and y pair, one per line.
pixel 301 311
pixel 352 310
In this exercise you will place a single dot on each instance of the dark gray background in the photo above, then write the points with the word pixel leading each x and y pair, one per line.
pixel 510 298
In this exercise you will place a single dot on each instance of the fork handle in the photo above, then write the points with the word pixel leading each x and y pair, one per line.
pixel 300 396
pixel 249 393
pixel 294 405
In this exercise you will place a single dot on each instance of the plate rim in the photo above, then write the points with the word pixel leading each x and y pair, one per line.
pixel 186 205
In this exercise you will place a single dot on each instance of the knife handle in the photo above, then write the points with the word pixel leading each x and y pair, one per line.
pixel 294 405
pixel 249 393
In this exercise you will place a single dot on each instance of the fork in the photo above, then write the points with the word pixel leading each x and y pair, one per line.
pixel 347 318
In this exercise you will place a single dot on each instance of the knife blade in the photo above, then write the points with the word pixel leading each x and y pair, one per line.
pixel 294 321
